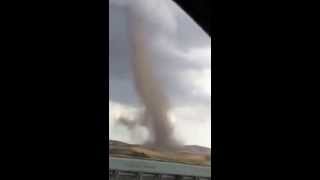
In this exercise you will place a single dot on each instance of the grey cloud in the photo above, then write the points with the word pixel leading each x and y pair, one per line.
pixel 169 65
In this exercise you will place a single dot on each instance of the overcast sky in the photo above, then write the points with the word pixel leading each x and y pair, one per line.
pixel 181 54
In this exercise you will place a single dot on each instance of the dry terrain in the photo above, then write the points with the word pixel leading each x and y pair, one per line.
pixel 188 154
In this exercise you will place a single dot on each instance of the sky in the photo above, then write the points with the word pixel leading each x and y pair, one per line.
pixel 181 57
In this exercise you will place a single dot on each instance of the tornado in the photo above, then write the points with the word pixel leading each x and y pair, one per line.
pixel 149 88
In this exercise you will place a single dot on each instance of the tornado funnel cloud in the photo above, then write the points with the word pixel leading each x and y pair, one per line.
pixel 150 90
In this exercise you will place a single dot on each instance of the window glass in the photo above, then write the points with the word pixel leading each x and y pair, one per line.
pixel 156 50
pixel 159 59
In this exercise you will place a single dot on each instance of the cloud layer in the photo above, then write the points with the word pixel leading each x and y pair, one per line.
pixel 182 59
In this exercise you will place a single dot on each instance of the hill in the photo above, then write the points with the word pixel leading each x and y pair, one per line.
pixel 195 155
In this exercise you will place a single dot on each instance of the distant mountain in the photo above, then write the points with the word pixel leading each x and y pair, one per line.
pixel 187 154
